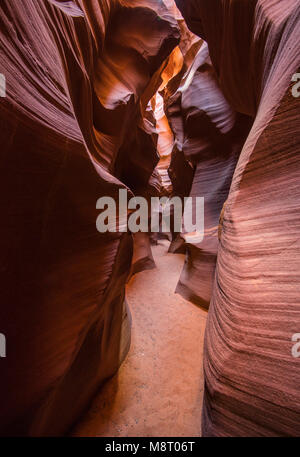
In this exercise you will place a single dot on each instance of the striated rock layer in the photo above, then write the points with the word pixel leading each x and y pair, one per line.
pixel 210 135
pixel 79 76
pixel 251 378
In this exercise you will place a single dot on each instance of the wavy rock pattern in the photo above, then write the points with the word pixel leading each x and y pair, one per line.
pixel 165 181
pixel 78 75
pixel 210 135
pixel 78 123
pixel 251 379
pixel 180 171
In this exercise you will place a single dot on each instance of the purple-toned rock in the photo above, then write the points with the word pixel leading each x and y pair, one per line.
pixel 71 130
pixel 252 375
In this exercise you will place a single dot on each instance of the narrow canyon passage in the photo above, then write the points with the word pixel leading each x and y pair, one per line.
pixel 158 390
pixel 124 121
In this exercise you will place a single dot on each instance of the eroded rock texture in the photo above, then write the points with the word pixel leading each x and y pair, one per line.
pixel 251 379
pixel 209 135
pixel 82 119
pixel 180 170
pixel 79 77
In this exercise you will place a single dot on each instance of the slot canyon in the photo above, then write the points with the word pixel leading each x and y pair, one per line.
pixel 150 333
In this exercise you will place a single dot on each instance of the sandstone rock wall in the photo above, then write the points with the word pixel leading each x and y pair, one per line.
pixel 77 124
pixel 79 75
pixel 251 378
pixel 209 136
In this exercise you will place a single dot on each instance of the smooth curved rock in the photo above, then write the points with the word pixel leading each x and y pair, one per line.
pixel 76 74
pixel 210 134
pixel 251 378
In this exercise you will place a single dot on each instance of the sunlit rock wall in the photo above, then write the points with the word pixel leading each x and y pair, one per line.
pixel 180 171
pixel 210 135
pixel 251 377
pixel 79 76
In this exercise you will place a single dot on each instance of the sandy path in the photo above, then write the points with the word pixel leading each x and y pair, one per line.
pixel 158 390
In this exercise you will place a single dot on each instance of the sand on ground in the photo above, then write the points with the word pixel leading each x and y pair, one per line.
pixel 158 389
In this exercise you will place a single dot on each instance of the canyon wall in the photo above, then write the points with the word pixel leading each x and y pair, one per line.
pixel 209 137
pixel 79 78
pixel 251 377
pixel 104 95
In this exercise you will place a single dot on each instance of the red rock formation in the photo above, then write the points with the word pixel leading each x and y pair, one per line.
pixel 71 124
pixel 210 135
pixel 251 378
pixel 76 125
pixel 180 171
pixel 160 182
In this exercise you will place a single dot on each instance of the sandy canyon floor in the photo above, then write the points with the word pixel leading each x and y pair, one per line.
pixel 158 390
